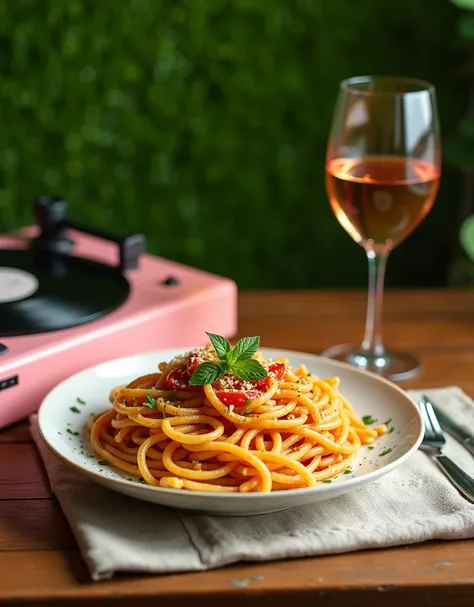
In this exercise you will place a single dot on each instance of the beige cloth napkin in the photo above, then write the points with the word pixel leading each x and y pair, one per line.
pixel 411 504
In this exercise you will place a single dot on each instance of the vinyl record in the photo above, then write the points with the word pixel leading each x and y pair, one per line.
pixel 42 291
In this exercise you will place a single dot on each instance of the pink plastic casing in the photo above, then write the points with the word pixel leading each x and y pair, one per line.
pixel 155 316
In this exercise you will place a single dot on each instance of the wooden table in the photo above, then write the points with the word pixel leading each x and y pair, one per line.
pixel 40 562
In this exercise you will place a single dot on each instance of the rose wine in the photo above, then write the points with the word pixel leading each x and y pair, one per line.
pixel 381 199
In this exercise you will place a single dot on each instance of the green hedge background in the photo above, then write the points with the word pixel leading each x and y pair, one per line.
pixel 203 123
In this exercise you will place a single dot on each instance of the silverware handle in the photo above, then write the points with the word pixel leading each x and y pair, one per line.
pixel 462 481
pixel 469 444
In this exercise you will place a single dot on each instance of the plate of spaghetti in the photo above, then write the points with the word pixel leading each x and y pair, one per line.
pixel 230 430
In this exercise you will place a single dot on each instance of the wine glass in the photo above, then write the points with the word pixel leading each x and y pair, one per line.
pixel 383 167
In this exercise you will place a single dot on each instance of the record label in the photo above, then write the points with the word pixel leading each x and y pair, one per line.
pixel 16 284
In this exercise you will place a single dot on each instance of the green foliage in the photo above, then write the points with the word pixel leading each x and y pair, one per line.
pixel 203 123
pixel 466 26
pixel 466 237
pixel 466 4
pixel 459 147
pixel 459 150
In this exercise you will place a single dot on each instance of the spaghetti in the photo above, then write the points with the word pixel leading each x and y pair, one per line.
pixel 289 430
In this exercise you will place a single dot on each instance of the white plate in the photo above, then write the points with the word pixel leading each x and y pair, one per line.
pixel 62 419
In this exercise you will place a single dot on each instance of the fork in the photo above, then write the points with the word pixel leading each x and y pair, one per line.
pixel 433 443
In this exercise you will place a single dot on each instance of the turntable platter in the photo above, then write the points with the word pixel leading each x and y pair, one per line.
pixel 42 291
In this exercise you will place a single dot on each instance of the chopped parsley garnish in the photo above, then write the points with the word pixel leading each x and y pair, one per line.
pixel 370 447
pixel 150 401
pixel 327 480
pixel 103 462
pixel 173 397
pixel 69 431
pixel 80 400
pixel 163 412
pixel 129 478
pixel 387 422
pixel 141 480
pixel 368 419
pixel 247 408
pixel 226 409
pixel 74 409
pixel 308 374
pixel 347 471
pixel 59 432
pixel 386 452
pixel 391 430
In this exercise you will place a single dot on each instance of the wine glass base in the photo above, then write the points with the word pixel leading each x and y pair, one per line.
pixel 395 366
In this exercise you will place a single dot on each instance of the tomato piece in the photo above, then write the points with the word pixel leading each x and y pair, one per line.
pixel 263 384
pixel 178 379
pixel 193 363
pixel 238 399
pixel 277 370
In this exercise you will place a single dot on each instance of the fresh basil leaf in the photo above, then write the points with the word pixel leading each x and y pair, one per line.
pixel 221 344
pixel 245 348
pixel 249 369
pixel 206 373
pixel 150 401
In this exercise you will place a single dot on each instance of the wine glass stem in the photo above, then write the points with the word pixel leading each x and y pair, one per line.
pixel 373 343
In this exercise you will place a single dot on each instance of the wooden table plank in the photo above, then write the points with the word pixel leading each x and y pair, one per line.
pixel 383 572
pixel 35 543
pixel 33 525
pixel 405 305
pixel 22 475
pixel 312 321
pixel 18 433
pixel 310 334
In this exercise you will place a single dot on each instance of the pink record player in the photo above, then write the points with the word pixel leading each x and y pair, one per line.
pixel 68 301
